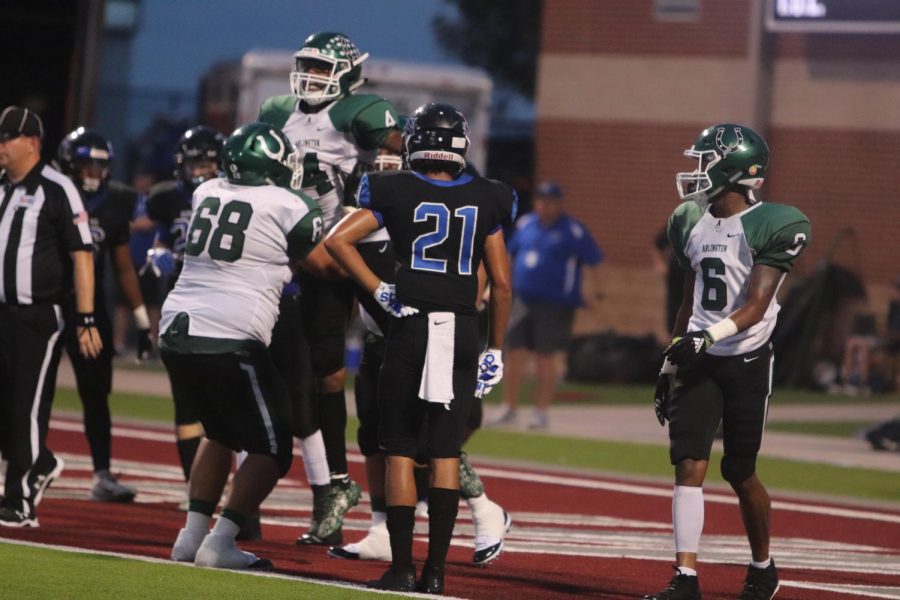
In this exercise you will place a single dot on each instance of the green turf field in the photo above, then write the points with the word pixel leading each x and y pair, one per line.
pixel 40 573
pixel 616 457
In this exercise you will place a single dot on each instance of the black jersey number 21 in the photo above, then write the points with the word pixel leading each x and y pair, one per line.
pixel 439 216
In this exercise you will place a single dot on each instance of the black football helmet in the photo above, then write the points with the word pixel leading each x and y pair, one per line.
pixel 436 137
pixel 85 156
pixel 198 155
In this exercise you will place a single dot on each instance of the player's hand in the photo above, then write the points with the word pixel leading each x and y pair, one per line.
pixel 386 295
pixel 159 260
pixel 490 368
pixel 662 395
pixel 144 345
pixel 687 349
pixel 482 389
pixel 89 342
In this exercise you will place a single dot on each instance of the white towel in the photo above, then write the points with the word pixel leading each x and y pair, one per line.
pixel 437 375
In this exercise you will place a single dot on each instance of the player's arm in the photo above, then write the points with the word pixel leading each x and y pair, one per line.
pixel 496 262
pixel 131 289
pixel 341 245
pixel 686 309
pixel 320 264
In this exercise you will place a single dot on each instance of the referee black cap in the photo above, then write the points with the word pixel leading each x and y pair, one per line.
pixel 16 121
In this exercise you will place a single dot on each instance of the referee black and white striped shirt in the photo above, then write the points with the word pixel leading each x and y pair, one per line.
pixel 42 219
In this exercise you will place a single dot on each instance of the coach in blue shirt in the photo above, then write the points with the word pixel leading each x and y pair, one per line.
pixel 549 249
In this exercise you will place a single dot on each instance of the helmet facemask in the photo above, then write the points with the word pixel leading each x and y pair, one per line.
pixel 90 169
pixel 695 185
pixel 294 162
pixel 388 162
pixel 318 88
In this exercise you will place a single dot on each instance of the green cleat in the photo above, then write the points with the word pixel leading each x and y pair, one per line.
pixel 342 497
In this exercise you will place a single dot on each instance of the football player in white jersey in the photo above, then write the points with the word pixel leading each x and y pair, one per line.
pixel 337 132
pixel 736 252
pixel 247 228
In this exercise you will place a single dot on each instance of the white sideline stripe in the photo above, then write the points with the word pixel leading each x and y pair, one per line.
pixel 645 490
pixel 150 559
pixel 578 482
pixel 867 591
pixel 261 404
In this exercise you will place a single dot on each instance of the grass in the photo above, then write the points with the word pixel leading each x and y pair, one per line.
pixel 616 457
pixel 32 572
pixel 845 429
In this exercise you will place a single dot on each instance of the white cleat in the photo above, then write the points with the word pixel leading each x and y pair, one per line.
pixel 186 545
pixel 221 552
pixel 375 546
pixel 491 524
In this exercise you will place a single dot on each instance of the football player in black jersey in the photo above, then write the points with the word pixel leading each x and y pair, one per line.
pixel 442 224
pixel 197 159
pixel 85 156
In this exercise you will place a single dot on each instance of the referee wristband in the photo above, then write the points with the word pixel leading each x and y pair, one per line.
pixel 721 330
pixel 141 318
pixel 85 320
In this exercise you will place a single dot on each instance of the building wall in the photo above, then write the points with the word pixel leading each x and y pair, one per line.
pixel 622 94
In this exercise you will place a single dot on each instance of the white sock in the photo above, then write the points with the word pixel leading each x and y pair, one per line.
pixel 687 516
pixel 239 459
pixel 378 518
pixel 761 565
pixel 227 527
pixel 314 460
pixel 197 522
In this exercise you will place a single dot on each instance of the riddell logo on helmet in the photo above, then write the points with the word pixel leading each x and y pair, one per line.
pixel 434 155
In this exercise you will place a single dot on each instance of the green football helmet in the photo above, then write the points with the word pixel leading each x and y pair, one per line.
pixel 729 155
pixel 331 52
pixel 259 154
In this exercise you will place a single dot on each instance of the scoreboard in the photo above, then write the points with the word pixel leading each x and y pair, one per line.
pixel 834 16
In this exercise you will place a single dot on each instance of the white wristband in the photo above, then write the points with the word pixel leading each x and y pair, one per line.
pixel 667 367
pixel 141 318
pixel 721 330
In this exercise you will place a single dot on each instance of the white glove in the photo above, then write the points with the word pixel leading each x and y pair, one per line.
pixel 490 367
pixel 386 295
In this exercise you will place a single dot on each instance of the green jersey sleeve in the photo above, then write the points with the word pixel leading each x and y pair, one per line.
pixel 778 234
pixel 682 221
pixel 369 119
pixel 277 110
pixel 308 231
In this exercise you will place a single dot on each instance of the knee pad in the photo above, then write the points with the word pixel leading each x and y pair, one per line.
pixel 737 469
pixel 327 355
pixel 367 438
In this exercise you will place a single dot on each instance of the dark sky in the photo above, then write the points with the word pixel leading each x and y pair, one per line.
pixel 179 40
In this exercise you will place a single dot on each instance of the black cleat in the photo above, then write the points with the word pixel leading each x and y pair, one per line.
pixel 402 580
pixel 311 539
pixel 760 584
pixel 10 517
pixel 681 587
pixel 432 581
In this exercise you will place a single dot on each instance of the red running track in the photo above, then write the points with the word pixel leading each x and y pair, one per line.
pixel 572 535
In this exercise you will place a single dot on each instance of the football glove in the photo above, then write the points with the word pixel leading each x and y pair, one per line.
pixel 386 295
pixel 144 345
pixel 661 399
pixel 161 261
pixel 687 349
pixel 490 368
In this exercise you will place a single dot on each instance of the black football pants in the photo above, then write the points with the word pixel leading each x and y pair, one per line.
pixel 30 347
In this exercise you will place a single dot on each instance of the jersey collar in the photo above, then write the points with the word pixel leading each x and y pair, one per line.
pixel 461 180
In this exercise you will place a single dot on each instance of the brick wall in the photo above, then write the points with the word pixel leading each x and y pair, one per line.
pixel 828 105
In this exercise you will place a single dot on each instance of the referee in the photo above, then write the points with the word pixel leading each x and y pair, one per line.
pixel 44 241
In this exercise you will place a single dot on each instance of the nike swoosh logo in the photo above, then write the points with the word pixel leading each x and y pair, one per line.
pixel 322 128
pixel 733 234
pixel 746 360
pixel 383 248
pixel 440 322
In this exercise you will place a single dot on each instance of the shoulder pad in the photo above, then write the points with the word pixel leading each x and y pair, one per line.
pixel 277 110
pixel 348 108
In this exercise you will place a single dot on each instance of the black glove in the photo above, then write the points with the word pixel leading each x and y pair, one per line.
pixel 144 345
pixel 685 350
pixel 661 399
